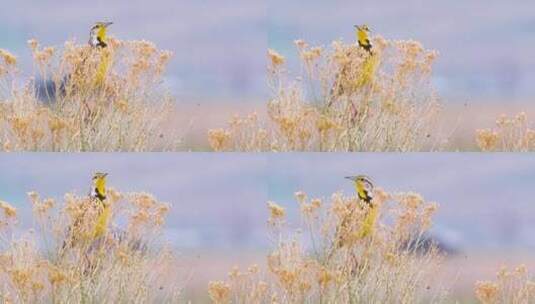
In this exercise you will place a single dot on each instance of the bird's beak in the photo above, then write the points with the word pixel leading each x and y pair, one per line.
pixel 105 174
pixel 108 24
pixel 350 178
pixel 357 27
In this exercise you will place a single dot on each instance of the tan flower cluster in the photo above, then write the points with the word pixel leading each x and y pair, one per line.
pixel 219 139
pixel 147 213
pixel 510 134
pixel 219 292
pixel 276 58
pixel 40 207
pixel 277 213
pixel 255 137
pixel 414 215
pixel 9 62
pixel 9 215
pixel 10 212
pixel 514 286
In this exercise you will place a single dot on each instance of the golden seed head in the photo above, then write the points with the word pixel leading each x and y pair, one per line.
pixel 10 212
pixel 276 58
pixel 276 211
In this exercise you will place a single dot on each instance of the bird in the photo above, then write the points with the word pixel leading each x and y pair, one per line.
pixel 345 229
pixel 97 202
pixel 363 37
pixel 98 40
pixel 98 34
pixel 98 194
pixel 364 188
pixel 48 91
pixel 98 190
pixel 343 82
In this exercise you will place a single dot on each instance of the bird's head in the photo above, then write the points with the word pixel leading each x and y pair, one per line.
pixel 102 25
pixel 99 176
pixel 363 179
pixel 97 35
pixel 363 28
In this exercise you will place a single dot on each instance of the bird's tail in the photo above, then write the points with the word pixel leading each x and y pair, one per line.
pixel 101 224
pixel 103 66
pixel 368 224
pixel 367 73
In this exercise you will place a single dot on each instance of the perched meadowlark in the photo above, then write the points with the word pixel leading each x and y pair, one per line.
pixel 364 188
pixel 97 36
pixel 363 37
pixel 98 39
pixel 351 78
pixel 97 200
pixel 347 230
pixel 98 193
pixel 98 190
pixel 48 91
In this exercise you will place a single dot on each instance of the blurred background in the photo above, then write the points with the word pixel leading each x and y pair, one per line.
pixel 219 216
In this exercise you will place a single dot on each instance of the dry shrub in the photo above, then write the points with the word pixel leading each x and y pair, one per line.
pixel 513 286
pixel 511 134
pixel 62 260
pixel 328 260
pixel 86 99
pixel 343 100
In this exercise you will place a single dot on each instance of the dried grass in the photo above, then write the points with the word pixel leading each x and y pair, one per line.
pixel 62 260
pixel 344 100
pixel 511 134
pixel 86 99
pixel 327 260
pixel 510 286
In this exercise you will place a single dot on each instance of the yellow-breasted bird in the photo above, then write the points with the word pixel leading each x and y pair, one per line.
pixel 48 91
pixel 98 190
pixel 97 36
pixel 363 37
pixel 345 80
pixel 97 196
pixel 98 40
pixel 345 229
pixel 364 188
pixel 98 193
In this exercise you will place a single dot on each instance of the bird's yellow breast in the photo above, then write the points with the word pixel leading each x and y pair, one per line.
pixel 362 37
pixel 101 33
pixel 361 191
pixel 100 185
pixel 101 224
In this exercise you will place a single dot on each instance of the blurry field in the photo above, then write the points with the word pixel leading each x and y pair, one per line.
pixel 460 272
pixel 458 120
